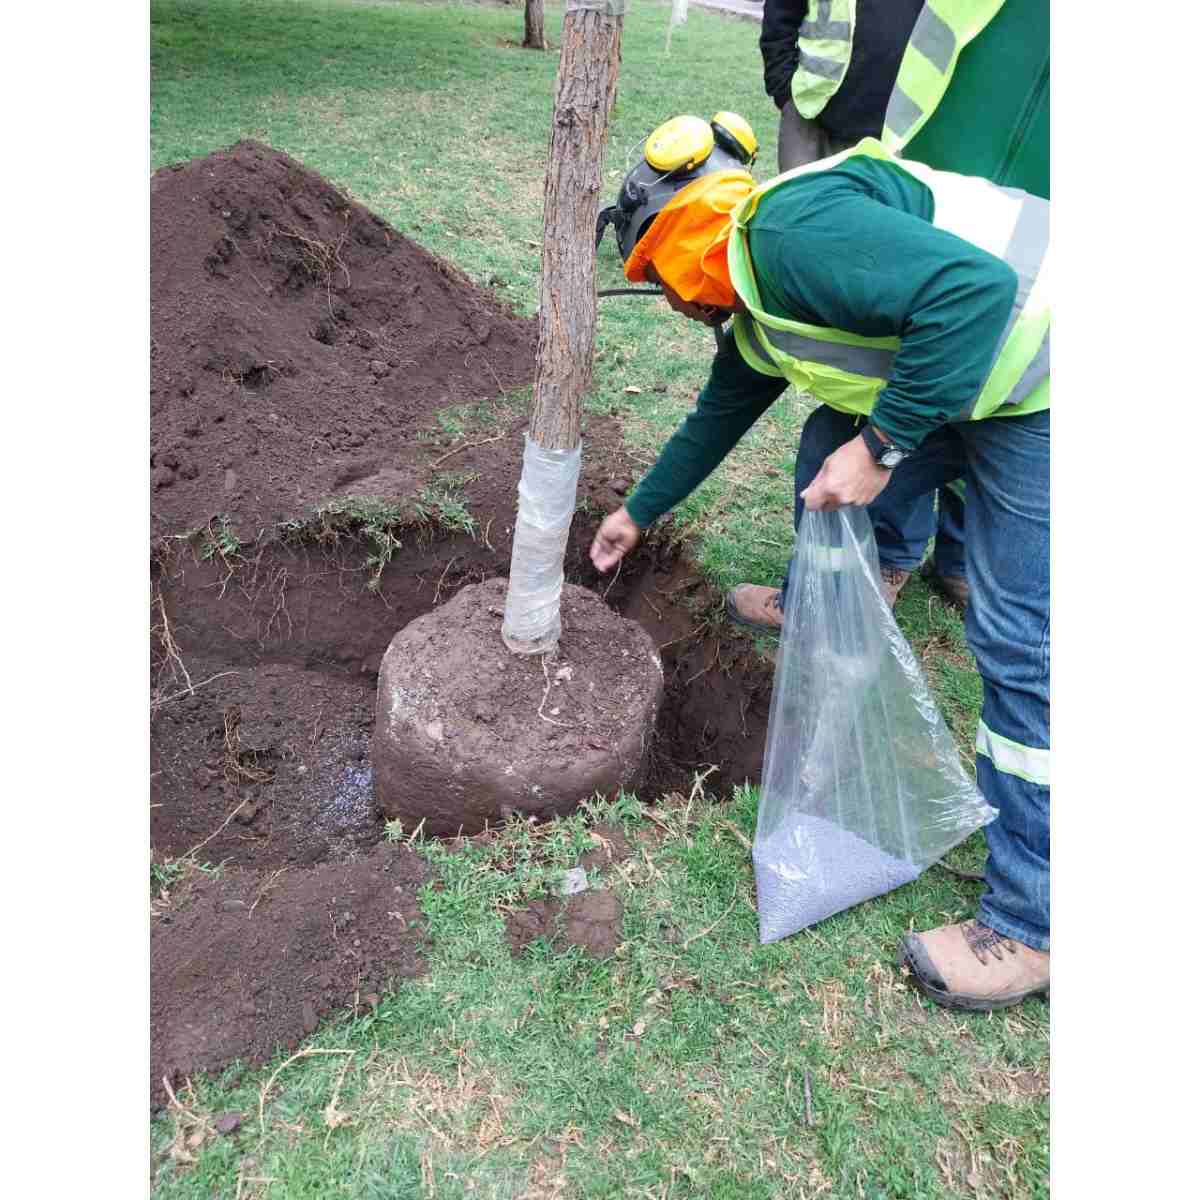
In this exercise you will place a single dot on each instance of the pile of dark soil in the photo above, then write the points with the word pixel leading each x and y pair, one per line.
pixel 301 351
pixel 253 960
pixel 293 334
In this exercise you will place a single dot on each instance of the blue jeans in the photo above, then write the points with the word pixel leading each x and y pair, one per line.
pixel 1005 464
pixel 902 531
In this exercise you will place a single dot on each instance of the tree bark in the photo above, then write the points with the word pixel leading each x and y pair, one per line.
pixel 587 82
pixel 583 96
pixel 535 25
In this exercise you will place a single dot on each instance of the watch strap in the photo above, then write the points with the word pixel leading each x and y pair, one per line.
pixel 880 449
pixel 874 442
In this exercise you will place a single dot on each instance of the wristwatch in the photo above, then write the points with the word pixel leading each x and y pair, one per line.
pixel 885 454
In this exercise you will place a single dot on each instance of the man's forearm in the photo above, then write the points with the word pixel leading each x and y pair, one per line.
pixel 945 354
pixel 694 451
pixel 699 446
pixel 781 23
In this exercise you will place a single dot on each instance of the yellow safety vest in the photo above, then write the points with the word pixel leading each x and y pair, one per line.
pixel 824 47
pixel 943 28
pixel 848 371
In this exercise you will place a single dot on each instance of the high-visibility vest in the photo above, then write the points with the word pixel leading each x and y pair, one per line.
pixel 846 370
pixel 824 47
pixel 994 119
pixel 943 28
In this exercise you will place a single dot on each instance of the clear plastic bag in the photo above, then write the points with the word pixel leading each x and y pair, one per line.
pixel 862 785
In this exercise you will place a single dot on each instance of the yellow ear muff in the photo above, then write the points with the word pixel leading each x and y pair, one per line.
pixel 733 133
pixel 682 143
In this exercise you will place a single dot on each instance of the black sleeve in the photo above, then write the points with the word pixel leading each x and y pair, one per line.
pixel 781 22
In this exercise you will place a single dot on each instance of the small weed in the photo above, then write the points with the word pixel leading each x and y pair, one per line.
pixel 380 522
pixel 453 480
pixel 163 875
pixel 451 419
pixel 393 831
pixel 625 809
pixel 439 505
pixel 217 539
pixel 167 875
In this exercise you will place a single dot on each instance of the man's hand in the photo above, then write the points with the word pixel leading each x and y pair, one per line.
pixel 614 539
pixel 848 476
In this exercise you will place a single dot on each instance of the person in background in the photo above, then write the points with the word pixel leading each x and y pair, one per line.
pixel 832 90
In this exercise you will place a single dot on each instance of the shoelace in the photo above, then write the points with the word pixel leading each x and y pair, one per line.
pixel 984 941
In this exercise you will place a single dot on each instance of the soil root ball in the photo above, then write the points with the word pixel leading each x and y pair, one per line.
pixel 468 734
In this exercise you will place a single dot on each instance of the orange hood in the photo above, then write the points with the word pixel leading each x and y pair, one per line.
pixel 686 241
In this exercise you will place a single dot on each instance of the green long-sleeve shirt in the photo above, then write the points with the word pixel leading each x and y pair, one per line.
pixel 851 248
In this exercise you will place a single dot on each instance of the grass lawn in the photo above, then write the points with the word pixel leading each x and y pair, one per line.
pixel 678 1067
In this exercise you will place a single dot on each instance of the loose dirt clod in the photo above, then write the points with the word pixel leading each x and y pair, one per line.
pixel 590 920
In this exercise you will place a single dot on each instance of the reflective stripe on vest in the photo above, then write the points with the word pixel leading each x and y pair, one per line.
pixel 1025 762
pixel 872 361
pixel 824 49
pixel 943 28
pixel 847 371
pixel 751 346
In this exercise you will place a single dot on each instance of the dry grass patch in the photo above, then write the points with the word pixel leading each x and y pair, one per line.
pixel 837 1024
pixel 465 1113
pixel 986 1172
pixel 326 110
pixel 996 1084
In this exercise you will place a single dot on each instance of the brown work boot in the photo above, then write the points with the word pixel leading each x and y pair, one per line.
pixel 755 606
pixel 971 966
pixel 953 587
pixel 894 578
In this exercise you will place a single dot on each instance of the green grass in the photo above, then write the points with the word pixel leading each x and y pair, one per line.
pixel 495 1077
pixel 676 1067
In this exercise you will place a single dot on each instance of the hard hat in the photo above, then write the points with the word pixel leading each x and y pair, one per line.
pixel 678 152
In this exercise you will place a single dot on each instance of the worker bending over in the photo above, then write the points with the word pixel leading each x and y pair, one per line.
pixel 913 305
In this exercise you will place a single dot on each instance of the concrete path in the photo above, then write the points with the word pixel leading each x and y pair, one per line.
pixel 748 10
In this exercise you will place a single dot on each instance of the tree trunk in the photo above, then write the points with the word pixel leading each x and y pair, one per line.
pixel 587 83
pixel 535 25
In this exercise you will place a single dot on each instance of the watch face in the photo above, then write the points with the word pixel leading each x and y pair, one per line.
pixel 891 458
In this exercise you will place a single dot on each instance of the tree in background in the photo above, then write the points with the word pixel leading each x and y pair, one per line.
pixel 535 25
